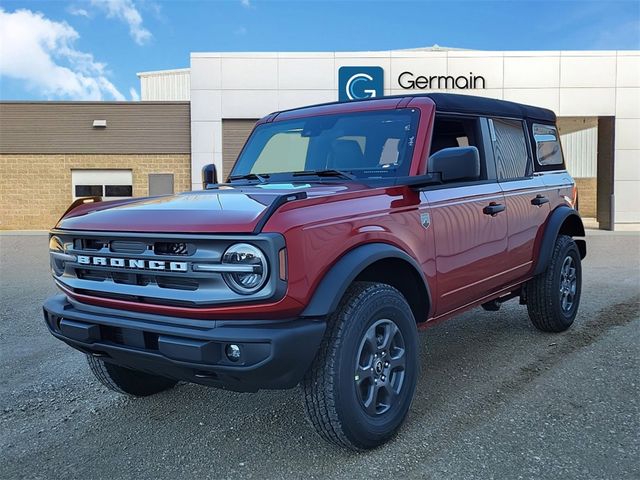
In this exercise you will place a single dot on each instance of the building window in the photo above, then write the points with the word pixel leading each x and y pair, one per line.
pixel 548 149
pixel 510 149
pixel 160 184
pixel 110 184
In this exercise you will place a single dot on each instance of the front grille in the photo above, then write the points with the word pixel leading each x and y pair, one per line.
pixel 156 269
pixel 173 248
pixel 121 246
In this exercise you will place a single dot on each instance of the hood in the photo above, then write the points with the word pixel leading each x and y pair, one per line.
pixel 227 209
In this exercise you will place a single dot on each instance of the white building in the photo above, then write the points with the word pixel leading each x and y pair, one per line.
pixel 596 95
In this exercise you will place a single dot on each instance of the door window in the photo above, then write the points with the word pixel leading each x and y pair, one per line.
pixel 451 132
pixel 510 149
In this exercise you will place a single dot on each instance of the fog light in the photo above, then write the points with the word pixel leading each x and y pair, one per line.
pixel 233 352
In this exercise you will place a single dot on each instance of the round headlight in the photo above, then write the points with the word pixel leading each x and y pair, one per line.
pixel 57 265
pixel 252 271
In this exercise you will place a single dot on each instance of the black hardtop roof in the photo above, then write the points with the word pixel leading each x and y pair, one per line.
pixel 464 104
pixel 451 102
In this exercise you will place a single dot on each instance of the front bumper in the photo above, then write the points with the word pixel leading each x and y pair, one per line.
pixel 274 354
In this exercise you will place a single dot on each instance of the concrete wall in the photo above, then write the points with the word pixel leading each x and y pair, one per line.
pixel 35 190
pixel 572 83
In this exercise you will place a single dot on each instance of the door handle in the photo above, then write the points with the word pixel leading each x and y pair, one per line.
pixel 493 209
pixel 539 200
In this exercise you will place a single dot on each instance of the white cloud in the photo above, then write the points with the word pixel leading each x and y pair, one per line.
pixel 41 53
pixel 246 3
pixel 78 12
pixel 126 11
pixel 135 96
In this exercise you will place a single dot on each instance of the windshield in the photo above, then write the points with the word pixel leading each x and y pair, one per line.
pixel 370 144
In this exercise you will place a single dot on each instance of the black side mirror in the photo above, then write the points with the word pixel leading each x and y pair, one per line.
pixel 456 163
pixel 209 175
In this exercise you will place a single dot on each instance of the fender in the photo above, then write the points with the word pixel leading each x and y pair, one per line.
pixel 557 219
pixel 336 281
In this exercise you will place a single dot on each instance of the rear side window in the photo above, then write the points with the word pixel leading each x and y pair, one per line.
pixel 548 151
pixel 510 149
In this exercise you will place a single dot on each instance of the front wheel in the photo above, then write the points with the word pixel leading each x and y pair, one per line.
pixel 554 295
pixel 127 381
pixel 359 388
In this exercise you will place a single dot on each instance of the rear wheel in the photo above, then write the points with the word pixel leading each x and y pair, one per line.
pixel 127 381
pixel 359 388
pixel 554 295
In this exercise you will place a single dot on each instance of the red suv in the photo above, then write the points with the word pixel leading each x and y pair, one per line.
pixel 342 230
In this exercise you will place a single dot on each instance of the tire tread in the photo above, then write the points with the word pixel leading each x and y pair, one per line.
pixel 318 385
pixel 541 290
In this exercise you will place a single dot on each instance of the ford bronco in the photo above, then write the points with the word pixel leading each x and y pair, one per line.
pixel 341 230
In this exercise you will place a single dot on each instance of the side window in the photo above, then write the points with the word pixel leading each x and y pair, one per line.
pixel 450 132
pixel 548 151
pixel 510 149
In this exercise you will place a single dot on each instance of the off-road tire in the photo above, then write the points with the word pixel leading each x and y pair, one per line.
pixel 331 398
pixel 544 298
pixel 127 381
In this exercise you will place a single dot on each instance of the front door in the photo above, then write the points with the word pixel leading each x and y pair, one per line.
pixel 470 229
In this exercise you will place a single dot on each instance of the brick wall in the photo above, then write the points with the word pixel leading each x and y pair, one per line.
pixel 587 196
pixel 36 189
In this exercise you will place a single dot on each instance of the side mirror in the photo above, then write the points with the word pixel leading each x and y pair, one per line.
pixel 209 175
pixel 456 163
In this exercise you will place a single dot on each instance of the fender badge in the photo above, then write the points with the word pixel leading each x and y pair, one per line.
pixel 425 219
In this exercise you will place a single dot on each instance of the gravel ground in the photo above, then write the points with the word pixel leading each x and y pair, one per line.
pixel 496 398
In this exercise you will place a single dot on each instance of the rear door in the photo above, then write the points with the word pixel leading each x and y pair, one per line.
pixel 526 196
pixel 470 240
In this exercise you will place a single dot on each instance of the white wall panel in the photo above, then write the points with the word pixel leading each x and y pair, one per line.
pixel 628 71
pixel 587 102
pixel 306 74
pixel 250 73
pixel 580 151
pixel 586 71
pixel 170 85
pixel 527 72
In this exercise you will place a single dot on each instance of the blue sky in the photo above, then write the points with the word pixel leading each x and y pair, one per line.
pixel 92 49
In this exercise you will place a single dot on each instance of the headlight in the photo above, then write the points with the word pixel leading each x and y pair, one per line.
pixel 56 246
pixel 252 270
pixel 58 256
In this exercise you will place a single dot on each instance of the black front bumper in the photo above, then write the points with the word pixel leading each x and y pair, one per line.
pixel 274 354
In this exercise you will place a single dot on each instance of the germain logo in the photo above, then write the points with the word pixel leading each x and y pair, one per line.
pixel 135 263
pixel 358 83
pixel 409 81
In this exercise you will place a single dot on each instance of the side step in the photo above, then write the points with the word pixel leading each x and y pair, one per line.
pixel 494 305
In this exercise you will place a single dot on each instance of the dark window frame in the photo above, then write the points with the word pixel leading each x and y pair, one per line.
pixel 527 142
pixel 538 167
pixel 483 144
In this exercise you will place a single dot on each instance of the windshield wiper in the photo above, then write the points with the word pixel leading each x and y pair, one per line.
pixel 326 173
pixel 261 177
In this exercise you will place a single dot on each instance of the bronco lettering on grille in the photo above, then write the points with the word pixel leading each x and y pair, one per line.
pixel 133 263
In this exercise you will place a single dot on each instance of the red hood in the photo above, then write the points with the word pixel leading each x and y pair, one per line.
pixel 223 210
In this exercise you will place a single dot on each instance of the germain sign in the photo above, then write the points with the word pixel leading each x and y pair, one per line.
pixel 358 83
pixel 409 81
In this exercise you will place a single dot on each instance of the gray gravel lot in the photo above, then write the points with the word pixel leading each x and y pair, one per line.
pixel 496 398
